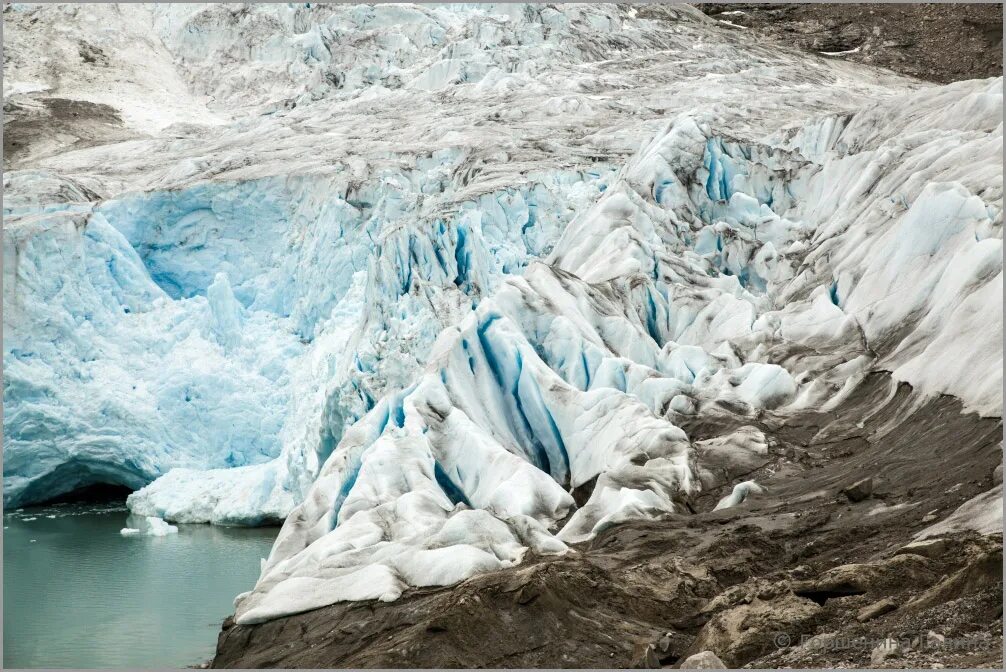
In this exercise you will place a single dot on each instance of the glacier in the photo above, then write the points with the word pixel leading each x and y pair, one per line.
pixel 442 286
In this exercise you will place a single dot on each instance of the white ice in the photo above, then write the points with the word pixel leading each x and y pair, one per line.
pixel 149 526
pixel 417 279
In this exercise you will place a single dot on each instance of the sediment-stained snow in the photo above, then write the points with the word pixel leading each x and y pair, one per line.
pixel 441 285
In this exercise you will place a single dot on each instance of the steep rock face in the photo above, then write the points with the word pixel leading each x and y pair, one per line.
pixel 453 285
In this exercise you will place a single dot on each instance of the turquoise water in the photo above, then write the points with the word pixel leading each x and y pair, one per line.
pixel 76 593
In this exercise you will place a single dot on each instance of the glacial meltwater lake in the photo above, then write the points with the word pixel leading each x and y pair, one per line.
pixel 76 593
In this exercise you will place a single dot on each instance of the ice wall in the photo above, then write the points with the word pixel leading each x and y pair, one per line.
pixel 109 380
pixel 443 283
pixel 261 317
pixel 698 281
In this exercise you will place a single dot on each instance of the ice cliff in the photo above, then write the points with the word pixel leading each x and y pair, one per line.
pixel 440 285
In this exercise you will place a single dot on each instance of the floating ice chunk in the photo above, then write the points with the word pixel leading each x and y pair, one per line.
pixel 148 526
pixel 249 495
pixel 159 528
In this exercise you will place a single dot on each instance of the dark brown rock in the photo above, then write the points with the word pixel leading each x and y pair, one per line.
pixel 860 490
pixel 936 42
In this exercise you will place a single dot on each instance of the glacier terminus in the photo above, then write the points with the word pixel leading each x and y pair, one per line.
pixel 447 289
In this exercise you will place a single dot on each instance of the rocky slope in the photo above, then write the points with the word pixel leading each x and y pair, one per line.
pixel 936 42
pixel 615 611
pixel 800 577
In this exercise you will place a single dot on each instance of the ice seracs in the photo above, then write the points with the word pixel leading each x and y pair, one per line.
pixel 444 285
pixel 553 367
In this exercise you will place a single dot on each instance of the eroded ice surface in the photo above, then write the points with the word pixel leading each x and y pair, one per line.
pixel 418 279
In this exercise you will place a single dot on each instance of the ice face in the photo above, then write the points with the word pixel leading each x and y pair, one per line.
pixel 582 380
pixel 247 329
pixel 441 285
pixel 109 380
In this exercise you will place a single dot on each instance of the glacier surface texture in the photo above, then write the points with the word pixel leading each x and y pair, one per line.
pixel 440 285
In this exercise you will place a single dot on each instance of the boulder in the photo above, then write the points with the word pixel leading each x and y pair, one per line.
pixel 671 646
pixel 704 660
pixel 928 548
pixel 820 642
pixel 889 648
pixel 872 611
pixel 859 490
pixel 746 631
pixel 981 571
pixel 862 578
